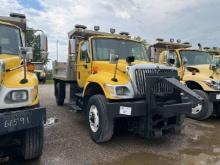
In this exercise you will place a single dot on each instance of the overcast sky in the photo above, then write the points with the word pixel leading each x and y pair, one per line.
pixel 189 20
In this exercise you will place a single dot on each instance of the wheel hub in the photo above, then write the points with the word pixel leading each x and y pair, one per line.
pixel 197 109
pixel 94 118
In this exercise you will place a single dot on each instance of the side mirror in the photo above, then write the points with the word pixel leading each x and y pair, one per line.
pixel 170 61
pixel 72 46
pixel 29 53
pixel 26 52
pixel 213 67
pixel 41 40
pixel 72 49
pixel 130 59
pixel 22 52
pixel 41 44
pixel 113 59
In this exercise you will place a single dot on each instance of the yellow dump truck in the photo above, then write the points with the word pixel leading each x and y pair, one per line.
pixel 196 69
pixel 21 116
pixel 113 84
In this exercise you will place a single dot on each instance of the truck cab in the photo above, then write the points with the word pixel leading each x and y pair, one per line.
pixel 197 70
pixel 21 115
pixel 112 81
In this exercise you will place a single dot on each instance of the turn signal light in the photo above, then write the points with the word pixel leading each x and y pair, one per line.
pixel 95 69
pixel 30 67
pixel 193 72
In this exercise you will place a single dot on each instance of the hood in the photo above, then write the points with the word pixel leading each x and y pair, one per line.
pixel 203 71
pixel 105 66
pixel 10 61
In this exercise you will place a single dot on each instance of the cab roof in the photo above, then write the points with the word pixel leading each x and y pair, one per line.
pixel 171 45
pixel 14 21
pixel 215 52
pixel 8 24
pixel 85 34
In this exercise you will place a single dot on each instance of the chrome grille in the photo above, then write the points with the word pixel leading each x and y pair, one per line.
pixel 159 87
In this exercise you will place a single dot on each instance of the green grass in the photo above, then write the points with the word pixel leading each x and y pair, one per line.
pixel 49 82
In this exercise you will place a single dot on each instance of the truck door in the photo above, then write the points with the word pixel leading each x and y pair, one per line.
pixel 180 65
pixel 83 64
pixel 172 54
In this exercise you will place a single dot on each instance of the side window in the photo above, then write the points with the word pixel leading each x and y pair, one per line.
pixel 171 54
pixel 84 51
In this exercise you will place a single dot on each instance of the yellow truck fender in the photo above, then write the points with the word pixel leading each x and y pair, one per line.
pixel 200 84
pixel 97 82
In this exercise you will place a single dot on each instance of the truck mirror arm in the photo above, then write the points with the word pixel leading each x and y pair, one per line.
pixel 23 54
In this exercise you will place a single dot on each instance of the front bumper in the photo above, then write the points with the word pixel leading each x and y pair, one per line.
pixel 12 121
pixel 147 120
pixel 140 108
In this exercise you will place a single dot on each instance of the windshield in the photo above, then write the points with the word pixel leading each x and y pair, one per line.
pixel 103 48
pixel 9 40
pixel 196 57
pixel 217 60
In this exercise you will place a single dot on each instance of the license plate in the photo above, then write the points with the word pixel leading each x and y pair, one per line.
pixel 218 97
pixel 125 110
pixel 18 120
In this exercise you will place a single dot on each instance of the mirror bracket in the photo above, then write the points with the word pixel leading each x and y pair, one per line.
pixel 114 60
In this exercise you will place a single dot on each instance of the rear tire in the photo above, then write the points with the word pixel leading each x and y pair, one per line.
pixel 32 143
pixel 99 123
pixel 204 111
pixel 60 92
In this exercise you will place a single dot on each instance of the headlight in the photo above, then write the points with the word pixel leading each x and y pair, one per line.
pixel 2 69
pixel 119 91
pixel 16 96
pixel 213 84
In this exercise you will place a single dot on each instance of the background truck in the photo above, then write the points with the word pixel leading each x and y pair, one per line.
pixel 196 69
pixel 112 82
pixel 21 116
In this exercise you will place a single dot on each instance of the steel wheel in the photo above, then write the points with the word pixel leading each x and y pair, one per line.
pixel 94 118
pixel 197 109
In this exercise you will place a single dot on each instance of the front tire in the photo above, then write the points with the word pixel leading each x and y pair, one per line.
pixel 32 143
pixel 202 111
pixel 99 123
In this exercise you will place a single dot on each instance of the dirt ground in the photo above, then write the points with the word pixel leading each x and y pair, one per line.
pixel 67 142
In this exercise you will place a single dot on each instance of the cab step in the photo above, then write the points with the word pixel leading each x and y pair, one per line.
pixel 78 95
pixel 75 107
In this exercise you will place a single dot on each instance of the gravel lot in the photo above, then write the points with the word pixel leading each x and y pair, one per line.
pixel 67 142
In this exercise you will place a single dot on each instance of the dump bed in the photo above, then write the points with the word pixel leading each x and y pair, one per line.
pixel 64 71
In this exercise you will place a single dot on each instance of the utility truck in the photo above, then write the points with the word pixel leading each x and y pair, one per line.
pixel 112 83
pixel 196 69
pixel 21 116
